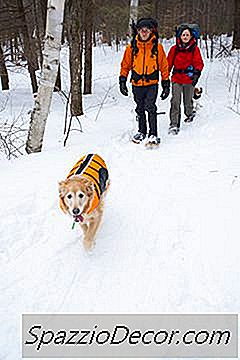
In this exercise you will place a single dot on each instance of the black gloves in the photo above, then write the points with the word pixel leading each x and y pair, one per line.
pixel 166 89
pixel 123 86
pixel 195 77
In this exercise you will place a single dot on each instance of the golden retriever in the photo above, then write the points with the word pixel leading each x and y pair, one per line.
pixel 81 195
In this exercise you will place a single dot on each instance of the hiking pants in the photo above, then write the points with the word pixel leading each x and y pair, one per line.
pixel 175 110
pixel 145 98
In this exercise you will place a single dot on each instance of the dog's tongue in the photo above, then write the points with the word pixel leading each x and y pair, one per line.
pixel 78 218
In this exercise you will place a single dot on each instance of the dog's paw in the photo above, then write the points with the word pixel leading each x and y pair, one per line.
pixel 88 245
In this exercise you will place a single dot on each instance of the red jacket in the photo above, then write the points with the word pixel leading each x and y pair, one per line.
pixel 180 58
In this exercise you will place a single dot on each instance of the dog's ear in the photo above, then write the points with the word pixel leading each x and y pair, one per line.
pixel 89 186
pixel 62 188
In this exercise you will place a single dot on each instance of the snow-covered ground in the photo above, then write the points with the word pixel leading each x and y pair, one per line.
pixel 170 237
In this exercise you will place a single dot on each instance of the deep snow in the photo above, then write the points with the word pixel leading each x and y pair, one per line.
pixel 170 237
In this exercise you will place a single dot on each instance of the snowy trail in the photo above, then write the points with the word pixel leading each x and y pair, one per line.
pixel 168 242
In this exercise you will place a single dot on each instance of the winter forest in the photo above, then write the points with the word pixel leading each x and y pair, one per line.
pixel 82 27
pixel 169 236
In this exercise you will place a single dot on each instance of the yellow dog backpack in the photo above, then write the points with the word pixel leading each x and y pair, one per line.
pixel 92 167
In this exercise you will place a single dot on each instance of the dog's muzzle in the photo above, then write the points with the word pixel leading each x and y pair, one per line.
pixel 77 215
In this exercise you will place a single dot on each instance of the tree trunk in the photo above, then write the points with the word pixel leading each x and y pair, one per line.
pixel 28 51
pixel 11 41
pixel 109 38
pixel 51 55
pixel 40 24
pixel 94 37
pixel 117 42
pixel 133 14
pixel 211 48
pixel 88 63
pixel 205 38
pixel 88 48
pixel 31 69
pixel 236 33
pixel 3 71
pixel 156 7
pixel 16 50
pixel 58 84
pixel 75 58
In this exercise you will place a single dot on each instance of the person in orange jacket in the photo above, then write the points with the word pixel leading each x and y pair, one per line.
pixel 145 57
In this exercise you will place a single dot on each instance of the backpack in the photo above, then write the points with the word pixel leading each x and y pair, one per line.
pixel 194 28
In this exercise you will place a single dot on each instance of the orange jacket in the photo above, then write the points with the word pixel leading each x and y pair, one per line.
pixel 92 167
pixel 145 66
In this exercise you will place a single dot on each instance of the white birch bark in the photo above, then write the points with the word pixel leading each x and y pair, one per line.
pixel 51 55
pixel 133 13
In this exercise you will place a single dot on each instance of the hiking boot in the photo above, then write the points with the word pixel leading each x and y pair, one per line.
pixel 174 130
pixel 190 117
pixel 138 137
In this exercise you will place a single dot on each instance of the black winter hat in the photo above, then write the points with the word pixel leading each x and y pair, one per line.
pixel 149 23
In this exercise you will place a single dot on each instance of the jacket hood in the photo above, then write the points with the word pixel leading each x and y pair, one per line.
pixel 186 47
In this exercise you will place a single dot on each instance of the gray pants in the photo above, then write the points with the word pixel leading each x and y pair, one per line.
pixel 175 110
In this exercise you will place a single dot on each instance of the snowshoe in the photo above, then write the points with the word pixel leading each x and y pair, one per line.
pixel 190 117
pixel 138 138
pixel 174 130
pixel 153 142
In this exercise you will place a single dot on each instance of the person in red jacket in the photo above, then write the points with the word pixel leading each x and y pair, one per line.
pixel 145 58
pixel 186 60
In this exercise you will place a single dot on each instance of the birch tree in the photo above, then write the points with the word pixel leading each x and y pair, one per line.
pixel 51 55
pixel 133 14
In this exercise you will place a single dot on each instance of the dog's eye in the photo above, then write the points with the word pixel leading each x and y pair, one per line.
pixel 69 196
pixel 81 196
